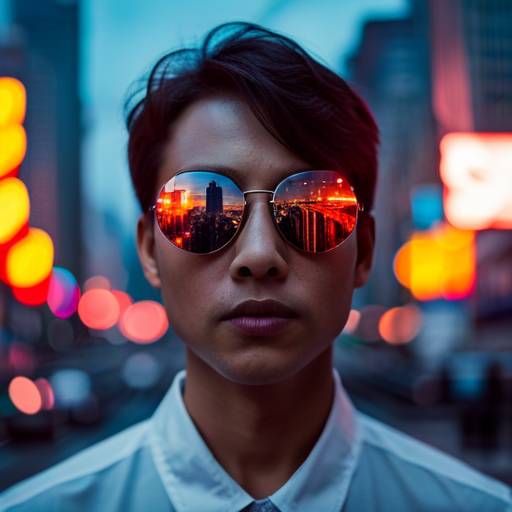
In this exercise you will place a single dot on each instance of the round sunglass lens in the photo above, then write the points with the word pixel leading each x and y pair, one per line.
pixel 315 210
pixel 199 211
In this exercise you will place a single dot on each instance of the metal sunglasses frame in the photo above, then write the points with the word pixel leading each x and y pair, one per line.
pixel 360 208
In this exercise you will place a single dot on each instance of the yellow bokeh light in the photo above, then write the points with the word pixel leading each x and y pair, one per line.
pixel 13 101
pixel 30 260
pixel 439 263
pixel 14 208
pixel 13 146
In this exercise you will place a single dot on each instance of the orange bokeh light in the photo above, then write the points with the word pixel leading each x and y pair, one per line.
pixel 13 99
pixel 30 260
pixel 144 322
pixel 476 169
pixel 98 309
pixel 14 208
pixel 13 146
pixel 400 325
pixel 25 395
pixel 438 263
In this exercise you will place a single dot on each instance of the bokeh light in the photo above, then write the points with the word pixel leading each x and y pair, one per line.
pixel 97 282
pixel 21 358
pixel 14 208
pixel 438 263
pixel 368 326
pixel 400 325
pixel 141 371
pixel 476 169
pixel 46 392
pixel 70 386
pixel 25 395
pixel 98 309
pixel 124 300
pixel 33 295
pixel 29 261
pixel 13 146
pixel 63 294
pixel 13 99
pixel 352 322
pixel 144 322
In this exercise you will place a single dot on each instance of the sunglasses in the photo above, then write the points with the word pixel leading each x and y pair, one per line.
pixel 201 212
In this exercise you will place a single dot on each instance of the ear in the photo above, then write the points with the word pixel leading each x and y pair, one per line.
pixel 146 249
pixel 365 245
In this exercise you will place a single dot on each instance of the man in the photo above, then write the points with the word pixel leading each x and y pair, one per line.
pixel 255 167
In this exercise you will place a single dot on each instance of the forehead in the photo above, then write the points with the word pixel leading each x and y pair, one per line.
pixel 220 133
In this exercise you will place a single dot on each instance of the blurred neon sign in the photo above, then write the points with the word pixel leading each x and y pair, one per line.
pixel 476 169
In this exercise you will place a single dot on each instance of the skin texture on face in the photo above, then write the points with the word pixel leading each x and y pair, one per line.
pixel 220 133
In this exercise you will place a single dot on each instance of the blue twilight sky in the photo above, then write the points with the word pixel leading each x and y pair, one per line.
pixel 122 38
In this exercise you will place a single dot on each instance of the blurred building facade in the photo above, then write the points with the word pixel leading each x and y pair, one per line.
pixel 445 68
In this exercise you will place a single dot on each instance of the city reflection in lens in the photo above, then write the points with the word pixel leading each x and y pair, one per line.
pixel 315 210
pixel 199 211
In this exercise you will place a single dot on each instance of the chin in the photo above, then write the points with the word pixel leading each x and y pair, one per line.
pixel 260 367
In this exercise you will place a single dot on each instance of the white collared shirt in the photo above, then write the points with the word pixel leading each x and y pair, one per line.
pixel 163 465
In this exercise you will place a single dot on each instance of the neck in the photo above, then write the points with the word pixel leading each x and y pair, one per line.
pixel 260 434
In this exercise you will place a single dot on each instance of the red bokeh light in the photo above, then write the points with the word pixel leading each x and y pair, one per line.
pixel 25 395
pixel 400 325
pixel 34 295
pixel 352 322
pixel 98 309
pixel 97 282
pixel 144 322
pixel 124 300
pixel 46 392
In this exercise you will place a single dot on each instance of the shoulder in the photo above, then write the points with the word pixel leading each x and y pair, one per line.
pixel 85 479
pixel 425 474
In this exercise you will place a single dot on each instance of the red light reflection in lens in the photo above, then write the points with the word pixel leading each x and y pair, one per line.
pixel 98 309
pixel 25 395
pixel 144 322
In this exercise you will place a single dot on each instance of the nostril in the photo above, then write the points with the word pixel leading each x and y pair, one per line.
pixel 272 272
pixel 244 272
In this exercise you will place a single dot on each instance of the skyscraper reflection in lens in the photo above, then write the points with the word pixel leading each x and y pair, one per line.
pixel 195 218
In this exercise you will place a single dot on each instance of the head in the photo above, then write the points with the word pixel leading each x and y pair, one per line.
pixel 252 104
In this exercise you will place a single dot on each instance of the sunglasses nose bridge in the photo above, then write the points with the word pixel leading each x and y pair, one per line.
pixel 252 192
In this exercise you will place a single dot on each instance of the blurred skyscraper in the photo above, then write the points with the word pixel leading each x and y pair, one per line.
pixel 391 70
pixel 445 68
pixel 40 48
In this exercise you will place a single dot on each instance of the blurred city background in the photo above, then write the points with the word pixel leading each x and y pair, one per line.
pixel 85 349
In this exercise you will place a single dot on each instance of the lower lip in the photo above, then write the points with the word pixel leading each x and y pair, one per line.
pixel 259 325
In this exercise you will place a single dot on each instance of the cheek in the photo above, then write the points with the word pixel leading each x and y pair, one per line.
pixel 328 285
pixel 189 286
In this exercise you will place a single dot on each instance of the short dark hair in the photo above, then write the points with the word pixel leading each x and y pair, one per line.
pixel 307 107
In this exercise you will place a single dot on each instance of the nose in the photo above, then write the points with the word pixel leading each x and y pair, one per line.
pixel 260 250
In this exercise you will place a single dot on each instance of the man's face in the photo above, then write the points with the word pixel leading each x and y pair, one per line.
pixel 200 291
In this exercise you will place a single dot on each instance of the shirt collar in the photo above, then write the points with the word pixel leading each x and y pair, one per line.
pixel 193 478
